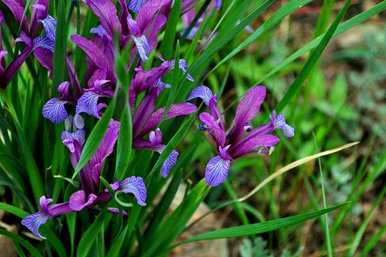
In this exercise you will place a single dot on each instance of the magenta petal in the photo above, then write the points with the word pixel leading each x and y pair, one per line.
pixel 248 108
pixel 213 128
pixel 88 103
pixel 181 109
pixel 44 56
pixel 92 51
pixel 79 200
pixel 106 12
pixel 202 92
pixel 169 163
pixel 34 221
pixel 217 171
pixel 252 144
pixel 107 144
pixel 135 186
pixel 54 110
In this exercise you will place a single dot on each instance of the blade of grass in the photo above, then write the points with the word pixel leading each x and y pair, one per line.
pixel 90 235
pixel 226 36
pixel 308 66
pixel 272 22
pixel 362 229
pixel 354 21
pixel 167 44
pixel 373 241
pixel 258 228
pixel 273 176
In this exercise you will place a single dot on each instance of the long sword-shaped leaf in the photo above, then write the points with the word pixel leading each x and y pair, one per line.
pixel 258 228
pixel 308 66
pixel 354 21
pixel 89 237
pixel 272 22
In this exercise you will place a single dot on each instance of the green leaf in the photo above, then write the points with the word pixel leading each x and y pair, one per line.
pixel 95 138
pixel 89 236
pixel 272 22
pixel 258 228
pixel 175 223
pixel 125 138
pixel 59 59
pixel 226 35
pixel 13 210
pixel 167 44
pixel 356 20
pixel 309 65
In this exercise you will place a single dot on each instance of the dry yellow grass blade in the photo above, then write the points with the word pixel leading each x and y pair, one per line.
pixel 276 174
pixel 293 165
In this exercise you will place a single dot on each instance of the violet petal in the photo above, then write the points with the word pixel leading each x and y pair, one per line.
pixel 34 221
pixel 54 110
pixel 202 92
pixel 217 171
pixel 135 5
pixel 136 186
pixel 169 163
pixel 88 103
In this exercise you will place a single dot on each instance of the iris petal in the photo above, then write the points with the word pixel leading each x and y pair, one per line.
pixel 88 103
pixel 202 92
pixel 34 221
pixel 136 186
pixel 217 171
pixel 54 110
pixel 169 163
pixel 79 200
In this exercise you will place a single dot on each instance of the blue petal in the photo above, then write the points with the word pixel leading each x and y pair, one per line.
pixel 47 41
pixel 100 31
pixel 44 42
pixel 143 47
pixel 49 25
pixel 34 221
pixel 279 122
pixel 136 186
pixel 202 92
pixel 88 103
pixel 135 5
pixel 217 171
pixel 169 163
pixel 54 110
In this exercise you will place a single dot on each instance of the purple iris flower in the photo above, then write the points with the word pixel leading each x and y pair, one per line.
pixel 143 30
pixel 42 47
pixel 90 194
pixel 146 118
pixel 241 138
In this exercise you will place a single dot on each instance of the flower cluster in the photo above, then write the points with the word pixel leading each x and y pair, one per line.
pixel 137 23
